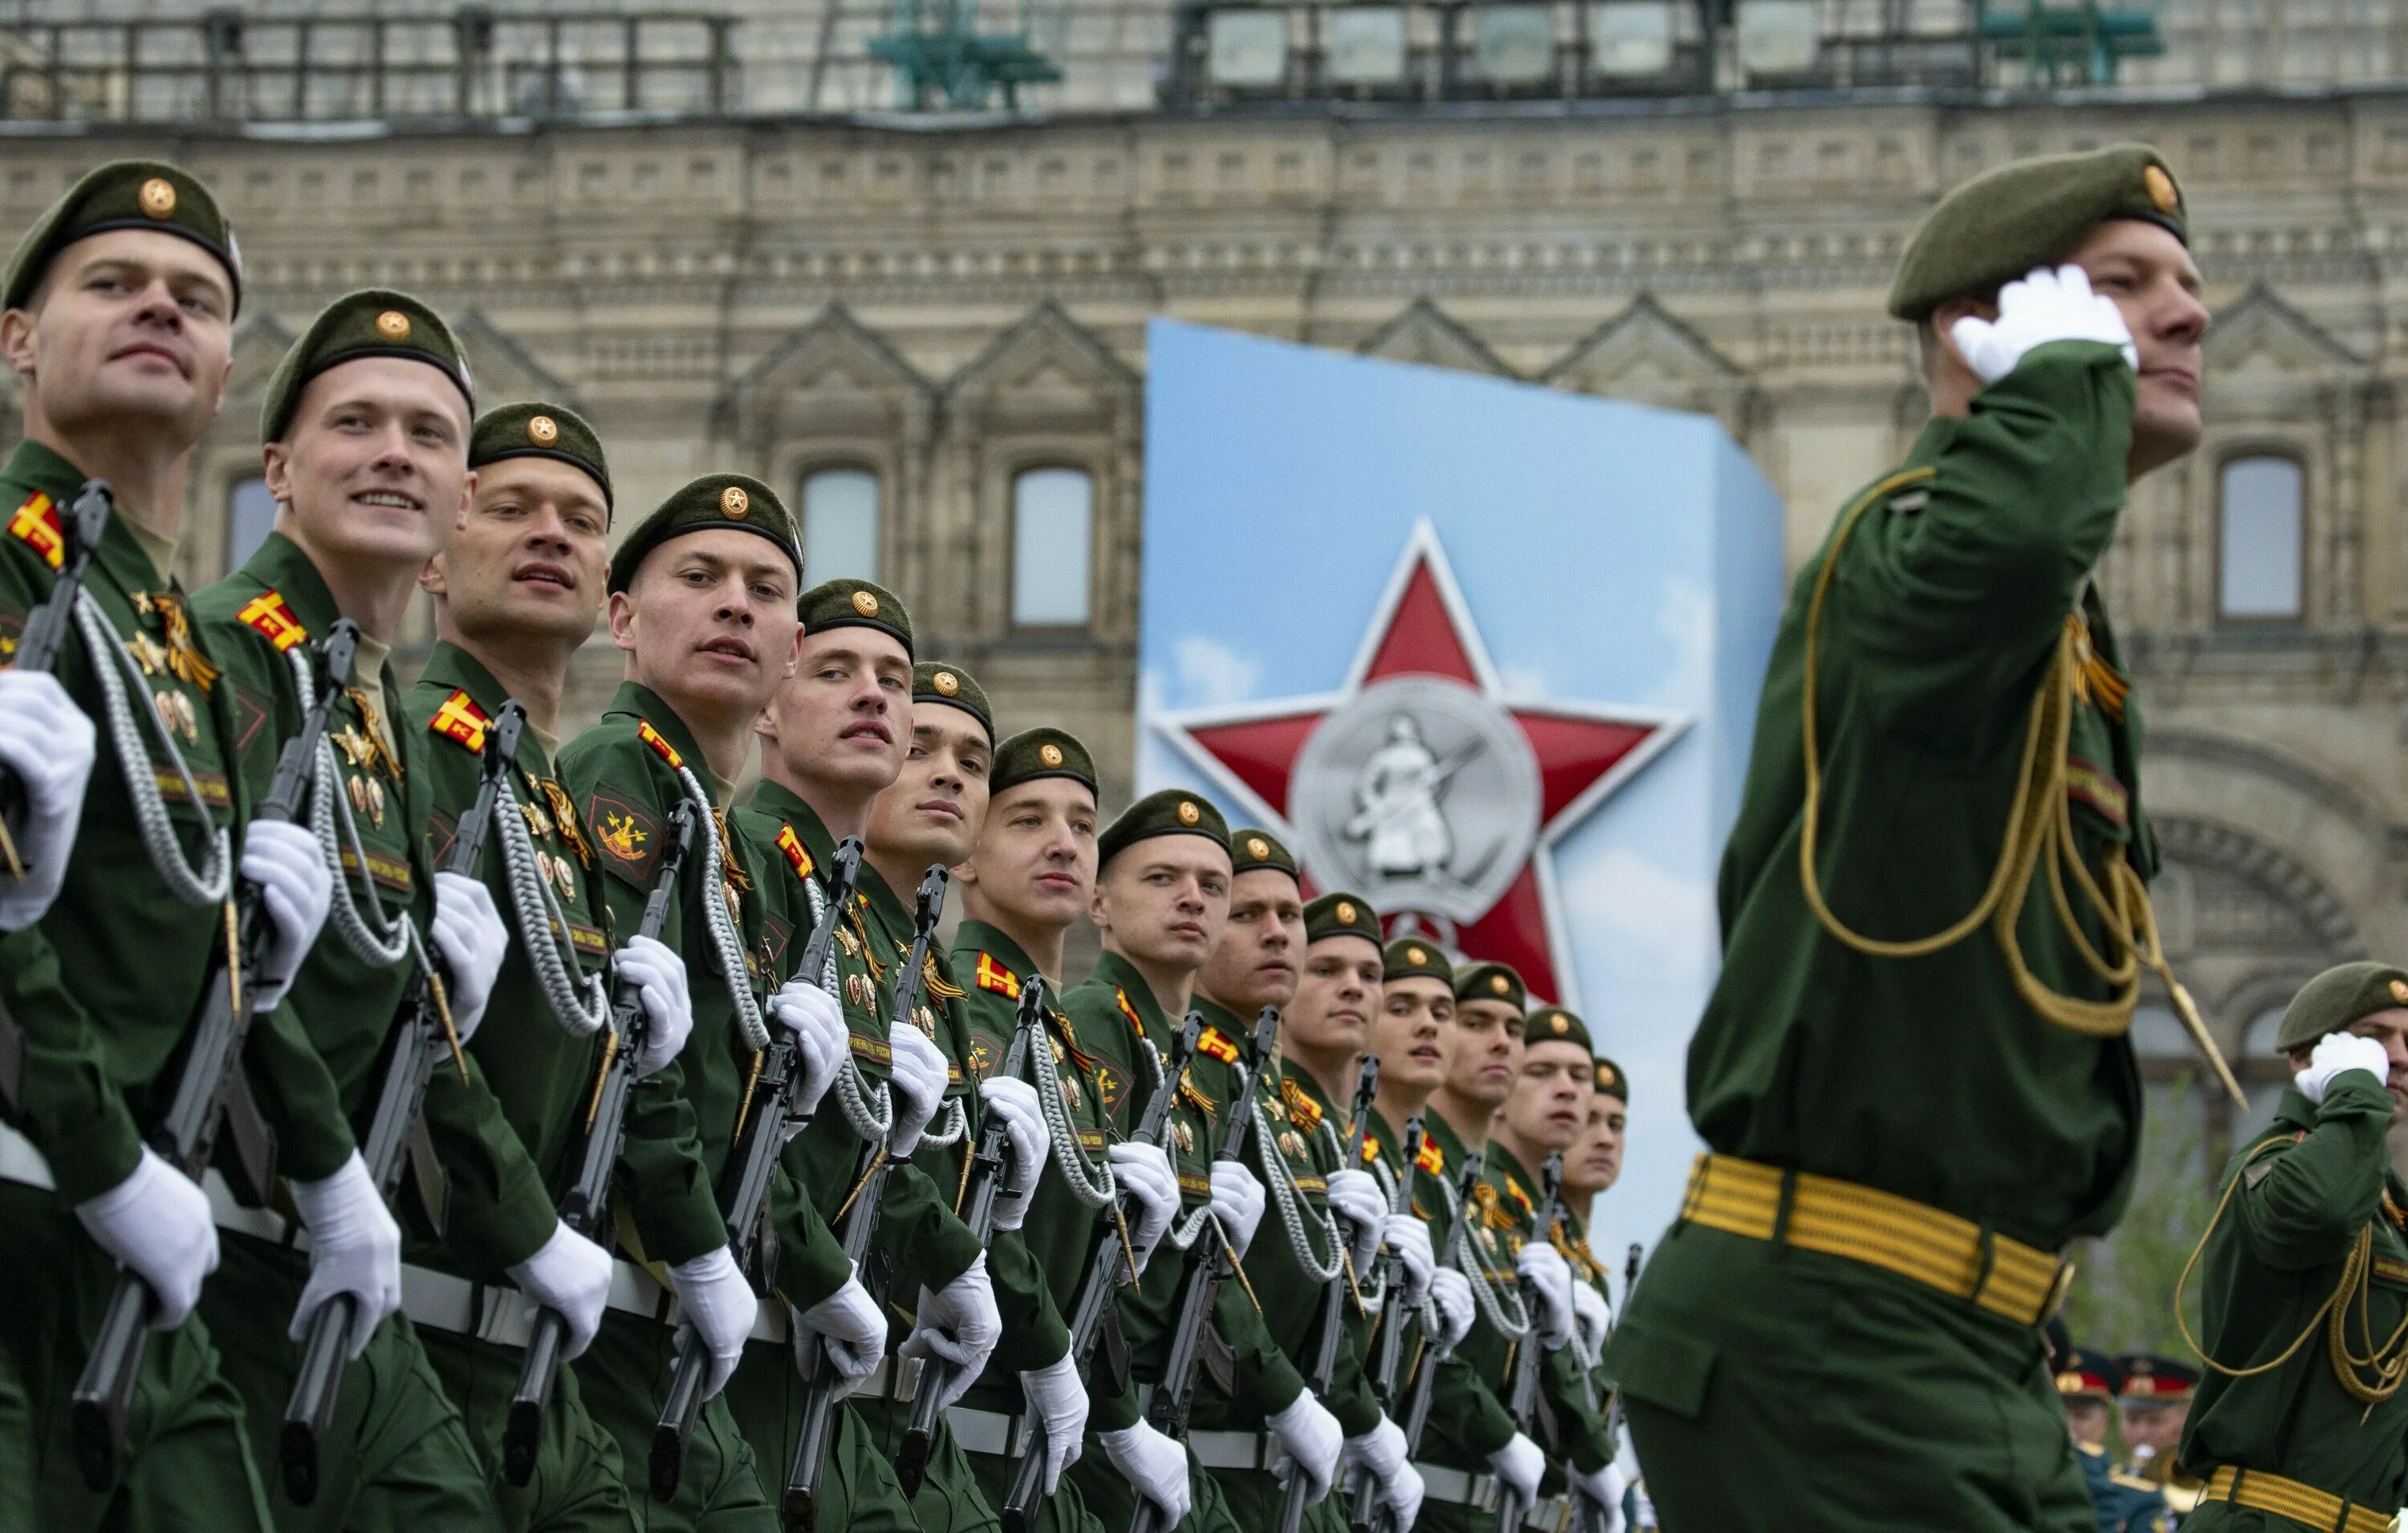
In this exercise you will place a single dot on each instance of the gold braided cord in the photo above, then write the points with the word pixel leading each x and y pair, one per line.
pixel 2182 1285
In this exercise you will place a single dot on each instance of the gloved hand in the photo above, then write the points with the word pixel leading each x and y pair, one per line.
pixel 917 1085
pixel 1451 1293
pixel 849 1329
pixel 1382 1451
pixel 1013 1102
pixel 1548 1277
pixel 2336 1053
pixel 354 1248
pixel 1143 1172
pixel 468 932
pixel 156 1222
pixel 571 1274
pixel 1409 1237
pixel 1604 1487
pixel 1154 1466
pixel 1519 1463
pixel 1355 1197
pixel 1643 1506
pixel 1591 1320
pixel 822 1040
pixel 49 743
pixel 1058 1401
pixel 658 975
pixel 721 1305
pixel 2042 307
pixel 1310 1440
pixel 294 886
pixel 958 1323
pixel 1238 1203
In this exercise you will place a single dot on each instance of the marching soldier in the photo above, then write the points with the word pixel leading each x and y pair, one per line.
pixel 2125 1503
pixel 1591 1167
pixel 117 314
pixel 702 601
pixel 2152 1408
pixel 1908 1119
pixel 2301 1420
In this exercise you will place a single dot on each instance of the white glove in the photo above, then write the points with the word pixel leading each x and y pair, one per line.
pixel 354 1248
pixel 822 1040
pixel 958 1323
pixel 1591 1320
pixel 1143 1172
pixel 658 975
pixel 1409 1237
pixel 1546 1273
pixel 2042 307
pixel 1519 1463
pixel 1451 1293
pixel 156 1223
pixel 2337 1053
pixel 1059 1402
pixel 1382 1451
pixel 1013 1102
pixel 570 1274
pixel 1643 1505
pixel 917 1086
pixel 721 1305
pixel 468 932
pixel 1310 1438
pixel 48 742
pixel 294 886
pixel 1154 1466
pixel 1604 1487
pixel 851 1330
pixel 1238 1203
pixel 1356 1199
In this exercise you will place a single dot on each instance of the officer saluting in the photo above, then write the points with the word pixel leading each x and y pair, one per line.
pixel 1911 1072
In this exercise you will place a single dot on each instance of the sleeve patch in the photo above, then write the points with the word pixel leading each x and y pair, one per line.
pixel 626 832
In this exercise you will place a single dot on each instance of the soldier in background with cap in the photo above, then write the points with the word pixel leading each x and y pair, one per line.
pixel 2086 1383
pixel 2303 1275
pixel 1909 1120
pixel 2152 1408
pixel 1591 1167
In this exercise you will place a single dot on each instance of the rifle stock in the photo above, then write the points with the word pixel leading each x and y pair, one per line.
pixel 1322 1372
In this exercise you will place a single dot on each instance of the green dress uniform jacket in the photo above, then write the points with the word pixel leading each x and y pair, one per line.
pixel 1569 1428
pixel 1467 1421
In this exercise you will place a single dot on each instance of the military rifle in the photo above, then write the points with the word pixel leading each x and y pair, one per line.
pixel 586 1209
pixel 774 1120
pixel 418 1046
pixel 1109 1271
pixel 1426 1371
pixel 210 1088
pixel 1392 1337
pixel 1322 1372
pixel 1522 1390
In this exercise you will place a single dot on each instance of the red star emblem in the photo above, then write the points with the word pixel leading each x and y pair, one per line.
pixel 1422 630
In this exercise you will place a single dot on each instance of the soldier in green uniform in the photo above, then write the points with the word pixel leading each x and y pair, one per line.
pixel 702 601
pixel 1591 1167
pixel 2124 1503
pixel 365 426
pixel 117 315
pixel 2301 1420
pixel 1908 1119
pixel 1029 878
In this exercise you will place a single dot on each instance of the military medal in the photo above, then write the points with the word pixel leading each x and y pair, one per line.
pixel 925 1021
pixel 1182 1133
pixel 176 711
pixel 1291 1144
pixel 367 798
pixel 181 657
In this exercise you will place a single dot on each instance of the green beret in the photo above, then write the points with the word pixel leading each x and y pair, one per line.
pixel 2028 213
pixel 2337 997
pixel 1173 811
pixel 1416 958
pixel 1553 1024
pixel 1253 849
pixel 371 323
pixel 537 430
pixel 735 501
pixel 1043 751
pixel 123 195
pixel 1490 982
pixel 1341 914
pixel 941 681
pixel 856 604
pixel 1611 1080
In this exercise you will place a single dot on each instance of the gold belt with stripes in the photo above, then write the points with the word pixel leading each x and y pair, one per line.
pixel 2288 1498
pixel 1918 1243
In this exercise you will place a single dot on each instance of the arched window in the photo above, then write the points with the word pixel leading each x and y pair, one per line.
pixel 1052 547
pixel 250 516
pixel 2258 539
pixel 839 525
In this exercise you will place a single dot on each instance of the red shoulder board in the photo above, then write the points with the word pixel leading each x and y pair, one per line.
pixel 789 843
pixel 1432 1159
pixel 274 620
pixel 1129 1012
pixel 1371 1150
pixel 993 976
pixel 651 737
pixel 1220 1048
pixel 37 526
pixel 460 719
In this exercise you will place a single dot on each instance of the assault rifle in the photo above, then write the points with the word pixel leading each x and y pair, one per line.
pixel 1522 1391
pixel 1425 1373
pixel 1391 1351
pixel 1322 1374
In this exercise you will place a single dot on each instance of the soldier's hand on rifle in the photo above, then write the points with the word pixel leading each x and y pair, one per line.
pixel 822 1039
pixel 1238 1203
pixel 1143 1172
pixel 1382 1451
pixel 1309 1441
pixel 469 933
pixel 721 1306
pixel 1547 1277
pixel 1450 1291
pixel 1520 1464
pixel 1591 1320
pixel 1013 1102
pixel 960 1323
pixel 2043 305
pixel 571 1274
pixel 1605 1487
pixel 1154 1466
pixel 295 887
pixel 2336 1054
pixel 355 1249
pixel 1409 1237
pixel 849 1330
pixel 156 1222
pixel 659 977
pixel 1058 1399
pixel 1359 1200
pixel 917 1085
pixel 49 743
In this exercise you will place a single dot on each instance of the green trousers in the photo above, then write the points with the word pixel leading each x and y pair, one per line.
pixel 578 1485
pixel 396 1458
pixel 950 1499
pixel 187 1462
pixel 1063 1511
pixel 623 1377
pixel 1109 1497
pixel 857 1488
